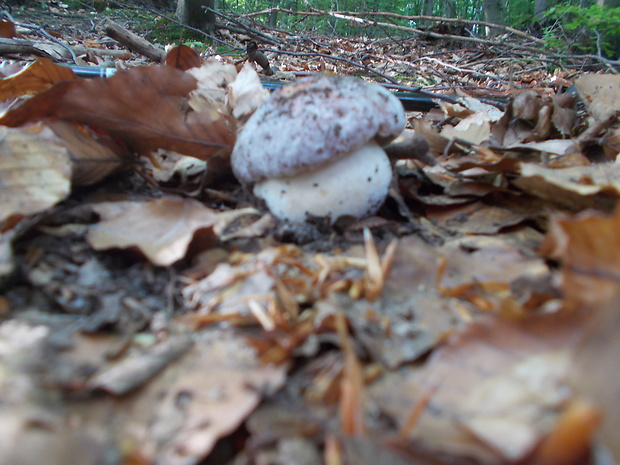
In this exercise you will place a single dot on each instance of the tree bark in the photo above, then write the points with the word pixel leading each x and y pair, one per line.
pixel 193 13
pixel 540 6
pixel 493 13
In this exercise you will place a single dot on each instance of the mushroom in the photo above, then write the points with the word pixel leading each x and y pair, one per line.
pixel 313 149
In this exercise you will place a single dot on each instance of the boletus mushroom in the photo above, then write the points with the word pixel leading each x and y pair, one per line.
pixel 313 149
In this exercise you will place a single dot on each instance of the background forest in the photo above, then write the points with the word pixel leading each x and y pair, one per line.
pixel 573 26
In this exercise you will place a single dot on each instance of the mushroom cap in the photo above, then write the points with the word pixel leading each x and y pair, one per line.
pixel 306 124
pixel 355 184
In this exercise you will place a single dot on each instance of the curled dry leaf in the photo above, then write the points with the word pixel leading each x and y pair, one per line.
pixel 165 165
pixel 162 229
pixel 578 187
pixel 35 171
pixel 213 78
pixel 246 93
pixel 475 128
pixel 142 106
pixel 34 78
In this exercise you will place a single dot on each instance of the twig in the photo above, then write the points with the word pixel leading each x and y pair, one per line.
pixel 176 21
pixel 265 38
pixel 133 42
pixel 336 58
pixel 39 30
pixel 354 16
pixel 474 74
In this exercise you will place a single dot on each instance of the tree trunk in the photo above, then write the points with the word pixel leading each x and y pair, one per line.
pixel 449 8
pixel 493 13
pixel 540 6
pixel 192 13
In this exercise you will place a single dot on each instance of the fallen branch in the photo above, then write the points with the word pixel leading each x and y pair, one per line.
pixel 352 16
pixel 243 29
pixel 132 41
pixel 39 30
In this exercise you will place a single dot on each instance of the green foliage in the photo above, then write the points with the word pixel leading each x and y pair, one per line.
pixel 593 29
pixel 163 31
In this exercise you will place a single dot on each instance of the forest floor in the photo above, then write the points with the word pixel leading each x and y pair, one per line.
pixel 152 313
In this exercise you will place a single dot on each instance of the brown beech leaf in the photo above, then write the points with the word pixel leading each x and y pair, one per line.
pixel 601 93
pixel 7 29
pixel 141 106
pixel 35 171
pixel 589 247
pixel 162 229
pixel 91 160
pixel 183 57
pixel 34 78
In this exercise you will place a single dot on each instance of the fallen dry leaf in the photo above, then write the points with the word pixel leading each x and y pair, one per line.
pixel 162 229
pixel 135 370
pixel 575 188
pixel 588 246
pixel 493 379
pixel 34 78
pixel 595 375
pixel 215 387
pixel 475 128
pixel 142 106
pixel 183 57
pixel 213 79
pixel 7 29
pixel 35 171
pixel 246 93
pixel 91 160
pixel 601 94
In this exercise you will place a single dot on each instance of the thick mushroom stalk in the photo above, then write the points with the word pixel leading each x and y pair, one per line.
pixel 313 149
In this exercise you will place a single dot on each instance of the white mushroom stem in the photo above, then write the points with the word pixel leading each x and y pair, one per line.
pixel 355 184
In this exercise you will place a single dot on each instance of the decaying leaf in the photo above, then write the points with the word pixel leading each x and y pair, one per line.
pixel 162 229
pixel 493 379
pixel 35 171
pixel 135 370
pixel 475 128
pixel 215 387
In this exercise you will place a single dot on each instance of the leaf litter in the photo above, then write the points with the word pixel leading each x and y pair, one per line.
pixel 152 314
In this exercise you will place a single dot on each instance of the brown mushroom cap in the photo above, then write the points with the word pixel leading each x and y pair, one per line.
pixel 306 124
